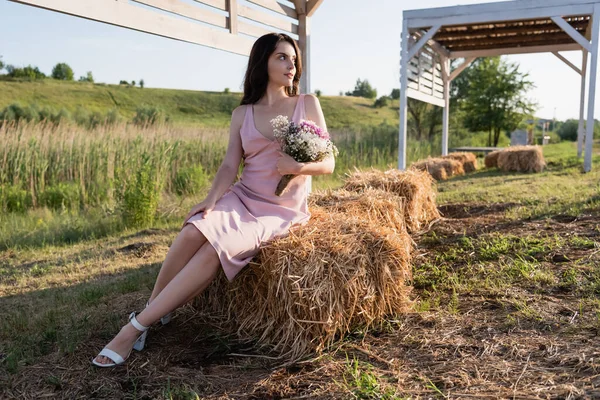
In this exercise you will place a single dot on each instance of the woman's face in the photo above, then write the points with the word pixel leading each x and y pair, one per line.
pixel 282 64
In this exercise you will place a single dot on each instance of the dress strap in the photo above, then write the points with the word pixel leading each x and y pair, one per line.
pixel 300 111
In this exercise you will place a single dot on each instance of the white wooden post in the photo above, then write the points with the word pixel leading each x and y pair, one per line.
pixel 446 116
pixel 304 29
pixel 403 97
pixel 589 128
pixel 581 127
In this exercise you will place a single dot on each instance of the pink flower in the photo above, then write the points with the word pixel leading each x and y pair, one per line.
pixel 310 126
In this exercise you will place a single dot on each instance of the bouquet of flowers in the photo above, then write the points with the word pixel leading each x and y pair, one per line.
pixel 304 142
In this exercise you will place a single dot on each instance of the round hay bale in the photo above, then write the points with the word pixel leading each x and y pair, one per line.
pixel 416 187
pixel 440 168
pixel 308 290
pixel 375 205
pixel 491 159
pixel 522 159
pixel 468 160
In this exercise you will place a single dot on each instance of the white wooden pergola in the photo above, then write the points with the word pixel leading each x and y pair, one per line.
pixel 229 25
pixel 433 37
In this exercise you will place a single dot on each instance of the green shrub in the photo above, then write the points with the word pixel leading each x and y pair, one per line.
pixel 64 195
pixel 141 196
pixel 15 199
pixel 190 180
pixel 381 102
pixel 18 113
pixel 147 116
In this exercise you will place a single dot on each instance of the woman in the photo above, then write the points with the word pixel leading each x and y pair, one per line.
pixel 227 228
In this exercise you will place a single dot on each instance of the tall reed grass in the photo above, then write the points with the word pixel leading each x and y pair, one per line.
pixel 67 166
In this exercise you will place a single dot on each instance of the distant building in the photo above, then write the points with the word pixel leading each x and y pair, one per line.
pixel 519 138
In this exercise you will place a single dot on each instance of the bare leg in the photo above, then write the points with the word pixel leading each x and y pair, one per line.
pixel 195 276
pixel 186 244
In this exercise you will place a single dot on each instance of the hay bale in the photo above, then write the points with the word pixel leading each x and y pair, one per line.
pixel 491 159
pixel 416 187
pixel 468 160
pixel 522 159
pixel 308 290
pixel 375 205
pixel 440 168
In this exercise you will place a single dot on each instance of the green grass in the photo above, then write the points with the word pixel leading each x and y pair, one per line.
pixel 184 107
pixel 66 279
pixel 563 187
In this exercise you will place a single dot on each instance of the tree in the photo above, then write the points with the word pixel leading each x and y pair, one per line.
pixel 363 89
pixel 381 102
pixel 87 78
pixel 132 83
pixel 122 82
pixel 27 72
pixel 491 92
pixel 1 64
pixel 63 72
pixel 568 130
pixel 142 83
pixel 395 95
pixel 426 121
pixel 318 93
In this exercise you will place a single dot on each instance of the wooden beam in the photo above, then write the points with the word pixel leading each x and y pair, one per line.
pixel 581 125
pixel 300 6
pixel 508 14
pixel 521 45
pixel 312 6
pixel 517 7
pixel 252 30
pixel 578 37
pixel 266 19
pixel 277 7
pixel 232 20
pixel 508 41
pixel 446 111
pixel 415 94
pixel 404 59
pixel 187 10
pixel 424 39
pixel 514 50
pixel 589 126
pixel 445 70
pixel 469 33
pixel 121 13
pixel 220 4
pixel 438 48
pixel 569 63
pixel 461 67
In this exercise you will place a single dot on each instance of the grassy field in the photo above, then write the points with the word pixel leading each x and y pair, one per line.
pixel 506 288
pixel 184 107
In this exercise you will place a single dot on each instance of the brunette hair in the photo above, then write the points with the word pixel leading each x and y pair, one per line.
pixel 257 73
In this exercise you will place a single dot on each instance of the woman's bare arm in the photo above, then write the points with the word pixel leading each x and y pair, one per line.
pixel 315 114
pixel 229 167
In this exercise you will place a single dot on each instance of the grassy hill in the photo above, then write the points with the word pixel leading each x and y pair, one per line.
pixel 185 107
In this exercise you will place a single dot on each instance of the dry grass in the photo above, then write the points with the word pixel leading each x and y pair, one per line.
pixel 416 187
pixel 522 159
pixel 491 159
pixel 375 205
pixel 440 168
pixel 310 289
pixel 468 160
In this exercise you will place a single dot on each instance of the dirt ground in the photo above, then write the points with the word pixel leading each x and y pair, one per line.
pixel 474 335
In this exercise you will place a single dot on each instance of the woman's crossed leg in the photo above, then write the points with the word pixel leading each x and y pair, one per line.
pixel 177 283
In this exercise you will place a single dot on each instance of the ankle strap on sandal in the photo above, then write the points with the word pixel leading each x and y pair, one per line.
pixel 136 324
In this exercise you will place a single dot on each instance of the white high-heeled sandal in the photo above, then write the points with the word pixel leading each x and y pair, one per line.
pixel 141 342
pixel 114 356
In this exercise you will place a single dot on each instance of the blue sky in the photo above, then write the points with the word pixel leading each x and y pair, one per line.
pixel 350 39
